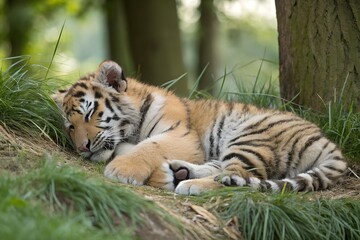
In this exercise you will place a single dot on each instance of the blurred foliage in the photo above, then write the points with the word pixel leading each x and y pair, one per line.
pixel 241 37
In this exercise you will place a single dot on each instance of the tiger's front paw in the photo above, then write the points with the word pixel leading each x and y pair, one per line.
pixel 180 169
pixel 128 172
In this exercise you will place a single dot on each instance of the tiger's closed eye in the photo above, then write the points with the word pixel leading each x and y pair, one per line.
pixel 71 128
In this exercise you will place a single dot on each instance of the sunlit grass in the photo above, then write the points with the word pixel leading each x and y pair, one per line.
pixel 54 200
pixel 25 102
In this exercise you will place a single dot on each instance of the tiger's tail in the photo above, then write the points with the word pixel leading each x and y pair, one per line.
pixel 318 177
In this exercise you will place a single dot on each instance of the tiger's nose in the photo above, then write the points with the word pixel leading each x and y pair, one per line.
pixel 85 146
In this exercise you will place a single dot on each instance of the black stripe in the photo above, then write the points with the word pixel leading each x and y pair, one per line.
pixel 256 124
pixel 333 150
pixel 258 155
pixel 214 164
pixel 124 122
pixel 252 143
pixel 96 105
pixel 175 125
pixel 219 131
pixel 144 109
pixel 240 157
pixel 116 117
pixel 188 114
pixel 78 94
pixel 76 110
pixel 211 140
pixel 268 127
pixel 308 143
pixel 105 128
pixel 152 129
pixel 334 169
pixel 108 105
pixel 318 156
pixel 291 153
pixel 98 94
pixel 107 120
pixel 120 109
pixel 87 116
pixel 83 85
pixel 187 133
pixel 114 98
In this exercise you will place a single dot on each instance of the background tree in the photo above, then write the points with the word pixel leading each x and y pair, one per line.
pixel 207 38
pixel 319 44
pixel 118 42
pixel 154 41
pixel 17 15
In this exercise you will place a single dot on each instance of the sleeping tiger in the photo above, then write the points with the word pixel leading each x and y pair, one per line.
pixel 150 136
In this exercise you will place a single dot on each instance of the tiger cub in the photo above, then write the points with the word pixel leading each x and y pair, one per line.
pixel 150 136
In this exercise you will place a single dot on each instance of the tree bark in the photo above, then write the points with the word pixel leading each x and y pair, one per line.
pixel 207 28
pixel 154 38
pixel 319 44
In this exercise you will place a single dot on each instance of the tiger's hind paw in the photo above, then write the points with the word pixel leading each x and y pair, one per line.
pixel 197 186
pixel 236 180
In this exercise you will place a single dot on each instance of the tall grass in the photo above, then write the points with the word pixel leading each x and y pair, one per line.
pixel 25 102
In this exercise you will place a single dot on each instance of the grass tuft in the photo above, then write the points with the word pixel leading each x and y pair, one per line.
pixel 287 216
pixel 60 193
pixel 25 102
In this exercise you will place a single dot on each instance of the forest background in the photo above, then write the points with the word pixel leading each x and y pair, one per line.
pixel 156 41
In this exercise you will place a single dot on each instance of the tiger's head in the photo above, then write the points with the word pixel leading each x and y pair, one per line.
pixel 97 112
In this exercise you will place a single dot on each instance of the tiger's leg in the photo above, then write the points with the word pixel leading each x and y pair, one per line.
pixel 315 165
pixel 240 166
pixel 144 162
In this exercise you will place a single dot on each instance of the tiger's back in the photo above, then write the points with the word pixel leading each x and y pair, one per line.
pixel 150 136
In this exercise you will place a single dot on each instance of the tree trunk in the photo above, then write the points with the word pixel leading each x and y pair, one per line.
pixel 117 35
pixel 319 44
pixel 18 14
pixel 207 30
pixel 154 38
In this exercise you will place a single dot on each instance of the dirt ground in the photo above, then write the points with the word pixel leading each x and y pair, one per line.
pixel 200 222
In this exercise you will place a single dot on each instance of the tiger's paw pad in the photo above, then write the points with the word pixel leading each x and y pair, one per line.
pixel 180 171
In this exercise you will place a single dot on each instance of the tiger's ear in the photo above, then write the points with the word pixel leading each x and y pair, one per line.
pixel 111 74
pixel 58 97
